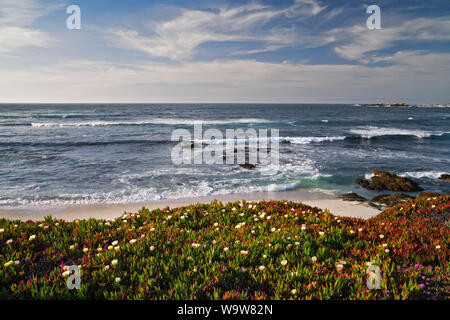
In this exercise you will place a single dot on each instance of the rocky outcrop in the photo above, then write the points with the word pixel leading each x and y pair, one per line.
pixel 427 194
pixel 383 180
pixel 352 197
pixel 391 200
pixel 445 177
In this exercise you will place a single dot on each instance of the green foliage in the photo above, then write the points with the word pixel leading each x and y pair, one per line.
pixel 235 250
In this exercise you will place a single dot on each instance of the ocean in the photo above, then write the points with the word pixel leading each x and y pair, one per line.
pixel 74 154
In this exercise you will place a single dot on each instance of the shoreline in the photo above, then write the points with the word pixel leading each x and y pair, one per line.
pixel 318 199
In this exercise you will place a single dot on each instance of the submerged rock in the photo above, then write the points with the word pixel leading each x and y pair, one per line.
pixel 383 180
pixel 445 177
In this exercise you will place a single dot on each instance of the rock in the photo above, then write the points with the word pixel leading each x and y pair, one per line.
pixel 383 180
pixel 445 177
pixel 427 194
pixel 352 197
pixel 247 166
pixel 391 199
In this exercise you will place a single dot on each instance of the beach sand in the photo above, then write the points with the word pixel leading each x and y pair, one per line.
pixel 111 211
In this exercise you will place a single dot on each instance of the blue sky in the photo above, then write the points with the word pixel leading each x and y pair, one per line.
pixel 224 51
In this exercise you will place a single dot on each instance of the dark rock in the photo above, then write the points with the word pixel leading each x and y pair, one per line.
pixel 445 177
pixel 383 180
pixel 427 194
pixel 247 166
pixel 352 197
pixel 391 199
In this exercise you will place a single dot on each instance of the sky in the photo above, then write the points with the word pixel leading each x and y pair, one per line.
pixel 286 51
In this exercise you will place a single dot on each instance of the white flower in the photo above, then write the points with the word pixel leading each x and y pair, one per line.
pixel 152 248
pixel 438 247
pixel 268 217
pixel 226 249
pixel 2 230
pixel 195 245
pixel 66 273
pixel 321 233
pixel 85 250
pixel 339 267
pixel 114 262
pixel 32 237
pixel 117 280
pixel 352 232
pixel 386 250
pixel 273 229
pixel 314 259
pixel 294 291
pixel 132 241
pixel 283 262
pixel 244 252
pixel 381 236
pixel 384 245
pixel 261 268
pixel 115 243
pixel 216 224
pixel 360 230
pixel 9 241
pixel 106 267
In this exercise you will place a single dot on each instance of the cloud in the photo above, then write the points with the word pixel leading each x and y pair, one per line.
pixel 178 38
pixel 16 21
pixel 360 42
pixel 415 77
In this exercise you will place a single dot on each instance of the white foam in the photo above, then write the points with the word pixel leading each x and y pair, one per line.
pixel 308 140
pixel 423 174
pixel 164 121
pixel 371 131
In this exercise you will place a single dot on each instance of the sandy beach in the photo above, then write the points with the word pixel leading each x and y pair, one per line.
pixel 112 211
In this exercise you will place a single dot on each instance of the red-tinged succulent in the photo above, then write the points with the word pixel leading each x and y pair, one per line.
pixel 236 250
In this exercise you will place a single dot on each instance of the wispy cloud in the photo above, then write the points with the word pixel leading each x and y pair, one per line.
pixel 359 44
pixel 16 24
pixel 178 38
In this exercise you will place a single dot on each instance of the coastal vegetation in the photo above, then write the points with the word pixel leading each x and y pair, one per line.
pixel 234 250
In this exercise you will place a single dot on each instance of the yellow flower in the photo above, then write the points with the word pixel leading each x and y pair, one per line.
pixel 117 280
pixel 110 247
pixel 85 250
pixel 8 264
pixel 32 237
pixel 2 230
pixel 244 252
pixel 438 247
pixel 117 248
pixel 114 262
pixel 294 291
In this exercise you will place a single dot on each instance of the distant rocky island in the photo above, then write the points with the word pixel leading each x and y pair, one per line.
pixel 387 104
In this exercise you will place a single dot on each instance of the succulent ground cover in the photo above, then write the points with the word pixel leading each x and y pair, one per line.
pixel 236 250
